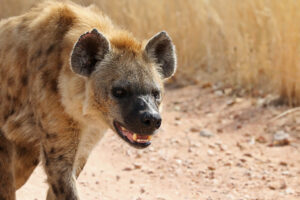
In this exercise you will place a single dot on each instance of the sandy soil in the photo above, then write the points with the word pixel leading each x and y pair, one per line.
pixel 239 160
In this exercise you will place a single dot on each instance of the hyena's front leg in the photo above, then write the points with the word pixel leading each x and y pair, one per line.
pixel 59 150
pixel 7 187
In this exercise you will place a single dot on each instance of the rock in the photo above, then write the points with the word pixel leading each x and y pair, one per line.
pixel 177 108
pixel 206 133
pixel 281 138
pixel 228 91
pixel 210 152
pixel 248 155
pixel 282 163
pixel 261 102
pixel 127 169
pixel 137 166
pixel 261 139
pixel 272 187
pixel 195 129
pixel 206 85
pixel 219 93
pixel 177 123
pixel 178 161
pixel 230 102
pixel 240 146
pixel 160 198
pixel 177 118
pixel 289 191
pixel 252 141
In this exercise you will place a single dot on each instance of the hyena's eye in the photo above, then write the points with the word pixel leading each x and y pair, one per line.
pixel 119 92
pixel 156 94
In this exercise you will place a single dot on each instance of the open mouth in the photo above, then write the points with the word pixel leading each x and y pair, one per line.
pixel 134 139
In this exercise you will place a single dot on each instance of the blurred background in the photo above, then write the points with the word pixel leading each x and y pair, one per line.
pixel 252 46
pixel 231 122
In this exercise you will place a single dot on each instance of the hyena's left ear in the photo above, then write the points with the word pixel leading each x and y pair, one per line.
pixel 161 49
pixel 90 48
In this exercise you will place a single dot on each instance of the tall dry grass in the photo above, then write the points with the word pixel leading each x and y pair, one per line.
pixel 252 44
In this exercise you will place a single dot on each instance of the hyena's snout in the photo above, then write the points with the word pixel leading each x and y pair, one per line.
pixel 150 120
pixel 141 119
pixel 144 117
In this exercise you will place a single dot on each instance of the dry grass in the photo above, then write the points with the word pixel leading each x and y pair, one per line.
pixel 250 44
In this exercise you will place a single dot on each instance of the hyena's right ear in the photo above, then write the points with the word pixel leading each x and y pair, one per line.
pixel 90 48
pixel 160 48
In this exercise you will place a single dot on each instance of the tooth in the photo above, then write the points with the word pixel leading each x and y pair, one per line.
pixel 149 137
pixel 134 137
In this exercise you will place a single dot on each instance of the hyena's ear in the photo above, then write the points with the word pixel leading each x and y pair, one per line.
pixel 90 48
pixel 161 49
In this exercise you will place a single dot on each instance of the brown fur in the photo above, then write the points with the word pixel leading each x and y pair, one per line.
pixel 45 108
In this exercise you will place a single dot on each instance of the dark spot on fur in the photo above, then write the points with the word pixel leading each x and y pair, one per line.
pixel 22 151
pixel 53 85
pixel 61 186
pixel 70 195
pixel 55 190
pixel 45 77
pixel 2 197
pixel 17 124
pixel 50 172
pixel 36 55
pixel 64 23
pixel 52 151
pixel 9 113
pixel 15 99
pixel 42 65
pixel 11 81
pixel 35 162
pixel 51 135
pixel 50 49
pixel 24 80
pixel 60 158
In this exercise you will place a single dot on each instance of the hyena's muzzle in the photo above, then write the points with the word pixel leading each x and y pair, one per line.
pixel 141 119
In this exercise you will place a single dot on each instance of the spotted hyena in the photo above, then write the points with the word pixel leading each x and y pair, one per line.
pixel 67 75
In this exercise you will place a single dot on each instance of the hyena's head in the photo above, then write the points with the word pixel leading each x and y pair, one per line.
pixel 125 82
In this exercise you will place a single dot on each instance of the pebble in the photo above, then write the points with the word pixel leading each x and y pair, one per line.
pixel 137 166
pixel 210 152
pixel 289 191
pixel 219 93
pixel 160 198
pixel 206 133
pixel 178 161
pixel 281 138
pixel 195 129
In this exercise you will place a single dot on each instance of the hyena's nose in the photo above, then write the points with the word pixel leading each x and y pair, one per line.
pixel 151 120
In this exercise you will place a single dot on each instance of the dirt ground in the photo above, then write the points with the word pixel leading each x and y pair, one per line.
pixel 211 146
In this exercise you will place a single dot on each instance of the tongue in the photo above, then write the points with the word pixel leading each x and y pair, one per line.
pixel 128 135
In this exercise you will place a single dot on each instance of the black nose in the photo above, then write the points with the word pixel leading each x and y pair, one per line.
pixel 151 120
